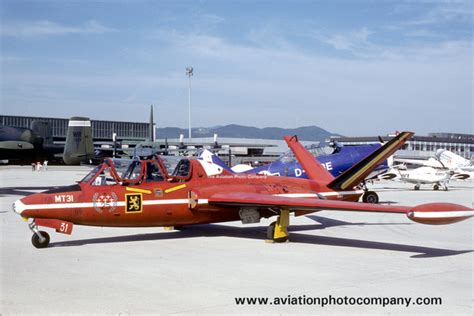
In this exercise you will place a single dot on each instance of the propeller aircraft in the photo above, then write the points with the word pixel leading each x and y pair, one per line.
pixel 340 159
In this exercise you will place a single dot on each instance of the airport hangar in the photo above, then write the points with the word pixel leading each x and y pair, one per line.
pixel 130 133
pixel 422 146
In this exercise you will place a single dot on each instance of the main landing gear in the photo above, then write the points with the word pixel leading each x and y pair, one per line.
pixel 438 186
pixel 40 239
pixel 370 197
pixel 278 231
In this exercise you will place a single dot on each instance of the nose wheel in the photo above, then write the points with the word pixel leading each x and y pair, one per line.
pixel 40 242
pixel 40 239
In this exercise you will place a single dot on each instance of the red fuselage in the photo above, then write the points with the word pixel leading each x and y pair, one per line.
pixel 166 202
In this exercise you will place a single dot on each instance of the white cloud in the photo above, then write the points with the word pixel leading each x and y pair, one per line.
pixel 422 33
pixel 279 87
pixel 210 19
pixel 48 28
pixel 269 83
pixel 444 12
pixel 349 41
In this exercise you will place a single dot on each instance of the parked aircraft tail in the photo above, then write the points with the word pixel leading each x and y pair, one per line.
pixel 353 176
pixel 79 146
pixel 210 158
pixel 313 168
pixel 452 160
pixel 358 172
pixel 43 129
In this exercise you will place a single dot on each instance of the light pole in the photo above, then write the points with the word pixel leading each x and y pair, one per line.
pixel 189 73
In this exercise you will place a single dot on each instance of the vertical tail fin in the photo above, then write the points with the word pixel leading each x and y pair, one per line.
pixel 353 176
pixel 313 168
pixel 79 146
pixel 357 173
pixel 43 128
pixel 211 158
pixel 451 160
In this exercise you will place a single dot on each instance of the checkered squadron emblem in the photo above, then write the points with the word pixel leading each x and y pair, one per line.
pixel 105 201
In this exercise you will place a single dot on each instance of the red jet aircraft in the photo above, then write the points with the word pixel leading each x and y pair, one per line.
pixel 142 194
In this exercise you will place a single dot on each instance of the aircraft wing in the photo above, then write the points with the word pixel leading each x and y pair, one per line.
pixel 220 144
pixel 16 145
pixel 431 213
pixel 427 163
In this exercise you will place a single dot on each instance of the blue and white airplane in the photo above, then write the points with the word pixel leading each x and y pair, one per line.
pixel 336 162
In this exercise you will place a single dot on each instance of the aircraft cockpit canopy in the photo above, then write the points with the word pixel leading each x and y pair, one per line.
pixel 115 171
pixel 183 168
pixel 316 150
pixel 128 170
pixel 134 171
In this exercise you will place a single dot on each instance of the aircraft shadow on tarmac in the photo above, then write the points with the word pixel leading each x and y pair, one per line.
pixel 23 191
pixel 217 230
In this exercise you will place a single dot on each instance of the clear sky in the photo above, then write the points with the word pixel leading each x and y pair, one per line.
pixel 351 67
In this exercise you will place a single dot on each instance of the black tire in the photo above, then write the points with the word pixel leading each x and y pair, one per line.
pixel 417 187
pixel 35 240
pixel 436 187
pixel 370 197
pixel 282 239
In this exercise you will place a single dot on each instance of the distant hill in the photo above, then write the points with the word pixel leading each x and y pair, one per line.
pixel 309 133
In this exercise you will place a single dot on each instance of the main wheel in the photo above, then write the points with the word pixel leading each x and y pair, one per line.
pixel 35 240
pixel 436 187
pixel 417 187
pixel 370 197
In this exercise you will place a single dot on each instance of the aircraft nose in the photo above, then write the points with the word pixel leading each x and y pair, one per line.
pixel 18 207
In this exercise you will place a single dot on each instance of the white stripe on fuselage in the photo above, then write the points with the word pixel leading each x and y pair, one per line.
pixel 20 206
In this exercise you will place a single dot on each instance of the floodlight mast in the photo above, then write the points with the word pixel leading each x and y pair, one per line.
pixel 189 73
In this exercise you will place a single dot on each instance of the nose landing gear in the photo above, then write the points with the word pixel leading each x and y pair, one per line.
pixel 40 239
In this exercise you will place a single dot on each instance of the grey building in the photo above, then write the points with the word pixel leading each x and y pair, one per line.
pixel 423 146
pixel 101 130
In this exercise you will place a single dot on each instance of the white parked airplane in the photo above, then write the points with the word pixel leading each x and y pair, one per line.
pixel 461 168
pixel 422 175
